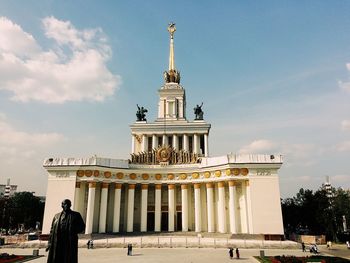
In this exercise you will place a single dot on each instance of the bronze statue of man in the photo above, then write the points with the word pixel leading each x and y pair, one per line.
pixel 63 240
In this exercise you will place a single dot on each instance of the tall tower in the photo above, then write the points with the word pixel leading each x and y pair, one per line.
pixel 171 129
pixel 172 99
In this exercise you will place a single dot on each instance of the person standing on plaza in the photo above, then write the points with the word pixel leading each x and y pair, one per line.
pixel 237 253
pixel 230 252
pixel 303 246
pixel 63 240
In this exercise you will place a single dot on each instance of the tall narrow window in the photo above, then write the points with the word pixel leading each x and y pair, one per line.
pixel 190 144
pixel 180 138
pixel 149 144
pixel 170 141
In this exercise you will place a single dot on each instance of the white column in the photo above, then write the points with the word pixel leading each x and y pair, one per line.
pixel 103 208
pixel 221 208
pixel 116 216
pixel 249 209
pixel 197 208
pixel 196 143
pixel 90 208
pixel 130 217
pixel 144 143
pixel 184 207
pixel 171 207
pixel 77 194
pixel 206 145
pixel 132 143
pixel 157 211
pixel 175 142
pixel 154 141
pixel 165 139
pixel 210 207
pixel 144 196
pixel 232 208
pixel 185 142
pixel 243 209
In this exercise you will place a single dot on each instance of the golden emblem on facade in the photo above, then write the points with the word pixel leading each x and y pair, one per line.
pixel 164 154
pixel 88 173
pixel 183 176
pixel 207 174
pixel 80 173
pixel 217 173
pixel 120 175
pixel 244 171
pixel 96 173
pixel 236 171
pixel 195 175
pixel 107 174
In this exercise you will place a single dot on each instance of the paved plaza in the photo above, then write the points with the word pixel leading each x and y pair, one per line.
pixel 168 255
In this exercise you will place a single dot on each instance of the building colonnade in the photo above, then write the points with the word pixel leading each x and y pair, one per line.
pixel 196 143
pixel 216 206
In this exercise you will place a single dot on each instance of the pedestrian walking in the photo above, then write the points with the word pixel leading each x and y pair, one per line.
pixel 303 246
pixel 237 253
pixel 230 252
pixel 129 249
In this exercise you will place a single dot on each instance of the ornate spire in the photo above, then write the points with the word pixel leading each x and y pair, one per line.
pixel 171 29
pixel 172 75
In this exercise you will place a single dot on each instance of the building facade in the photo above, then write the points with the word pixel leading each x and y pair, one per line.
pixel 170 183
pixel 8 189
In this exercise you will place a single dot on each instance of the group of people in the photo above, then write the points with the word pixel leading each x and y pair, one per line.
pixel 313 248
pixel 230 252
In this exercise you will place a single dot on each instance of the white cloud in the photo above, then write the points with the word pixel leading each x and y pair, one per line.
pixel 22 144
pixel 345 125
pixel 343 146
pixel 74 69
pixel 258 146
pixel 345 85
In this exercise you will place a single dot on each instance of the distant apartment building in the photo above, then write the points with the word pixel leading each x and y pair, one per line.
pixel 7 190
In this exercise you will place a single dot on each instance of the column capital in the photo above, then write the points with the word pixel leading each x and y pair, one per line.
pixel 247 183
pixel 77 184
pixel 221 184
pixel 197 186
pixel 104 185
pixel 184 186
pixel 209 185
pixel 171 186
pixel 131 186
pixel 92 184
pixel 144 186
pixel 158 186
pixel 118 186
pixel 231 183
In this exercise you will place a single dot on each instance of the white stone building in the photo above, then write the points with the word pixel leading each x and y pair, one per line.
pixel 170 182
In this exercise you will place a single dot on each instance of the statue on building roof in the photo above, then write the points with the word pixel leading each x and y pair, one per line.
pixel 198 112
pixel 141 113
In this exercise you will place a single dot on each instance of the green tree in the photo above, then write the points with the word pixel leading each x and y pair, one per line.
pixel 319 212
pixel 21 208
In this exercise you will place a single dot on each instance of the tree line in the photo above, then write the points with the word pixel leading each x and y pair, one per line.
pixel 21 209
pixel 324 212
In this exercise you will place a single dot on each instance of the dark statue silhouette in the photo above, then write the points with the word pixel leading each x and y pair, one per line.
pixel 141 113
pixel 63 240
pixel 198 112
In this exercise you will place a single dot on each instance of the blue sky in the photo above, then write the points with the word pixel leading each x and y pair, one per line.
pixel 273 76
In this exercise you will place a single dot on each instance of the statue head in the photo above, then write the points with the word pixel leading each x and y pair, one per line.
pixel 66 204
